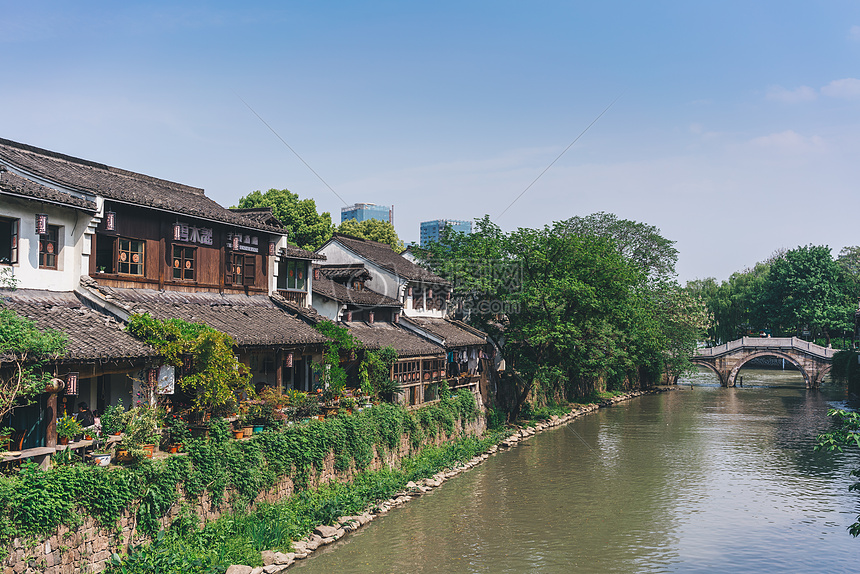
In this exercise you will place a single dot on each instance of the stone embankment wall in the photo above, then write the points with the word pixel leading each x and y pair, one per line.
pixel 89 547
pixel 280 562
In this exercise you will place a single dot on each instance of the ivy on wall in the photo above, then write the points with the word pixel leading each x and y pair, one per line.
pixel 216 375
pixel 34 502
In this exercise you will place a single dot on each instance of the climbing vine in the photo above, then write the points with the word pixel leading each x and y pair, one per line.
pixel 34 502
pixel 215 375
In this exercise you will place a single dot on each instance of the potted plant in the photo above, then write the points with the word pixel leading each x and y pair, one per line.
pixel 179 433
pixel 112 420
pixel 141 436
pixel 347 404
pixel 68 427
pixel 101 453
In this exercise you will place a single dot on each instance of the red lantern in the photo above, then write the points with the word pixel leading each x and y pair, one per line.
pixel 41 223
pixel 349 316
pixel 235 242
pixel 110 221
pixel 430 294
pixel 271 247
pixel 370 317
pixel 177 231
pixel 397 317
pixel 72 384
pixel 316 273
pixel 289 360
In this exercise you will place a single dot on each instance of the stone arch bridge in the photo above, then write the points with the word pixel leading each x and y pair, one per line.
pixel 813 361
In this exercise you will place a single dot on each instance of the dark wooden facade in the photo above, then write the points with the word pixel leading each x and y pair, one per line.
pixel 144 250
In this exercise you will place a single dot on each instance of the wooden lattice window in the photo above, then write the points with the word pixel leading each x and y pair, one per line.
pixel 184 262
pixel 131 256
pixel 49 245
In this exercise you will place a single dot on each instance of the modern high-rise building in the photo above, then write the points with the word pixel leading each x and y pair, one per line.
pixel 432 230
pixel 364 211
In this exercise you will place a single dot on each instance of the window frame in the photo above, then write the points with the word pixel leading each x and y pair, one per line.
pixel 184 260
pixel 46 252
pixel 131 253
pixel 248 271
pixel 14 235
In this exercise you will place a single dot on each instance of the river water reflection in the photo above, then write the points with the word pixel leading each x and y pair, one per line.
pixel 701 479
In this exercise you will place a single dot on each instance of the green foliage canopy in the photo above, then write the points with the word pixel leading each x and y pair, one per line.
pixel 374 230
pixel 307 228
pixel 217 375
pixel 29 352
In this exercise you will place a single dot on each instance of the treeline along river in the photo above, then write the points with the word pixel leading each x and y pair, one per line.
pixel 701 479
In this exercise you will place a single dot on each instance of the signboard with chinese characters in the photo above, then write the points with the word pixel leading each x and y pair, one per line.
pixel 250 243
pixel 166 380
pixel 192 234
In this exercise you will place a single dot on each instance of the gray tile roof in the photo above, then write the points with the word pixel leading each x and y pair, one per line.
pixel 251 320
pixel 343 273
pixel 13 184
pixel 384 256
pixel 379 335
pixel 92 335
pixel 364 298
pixel 121 185
pixel 454 333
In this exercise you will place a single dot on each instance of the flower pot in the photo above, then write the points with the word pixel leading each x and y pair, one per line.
pixel 239 434
pixel 248 431
pixel 88 437
pixel 150 450
pixel 258 429
pixel 64 440
pixel 101 459
pixel 122 454
pixel 174 448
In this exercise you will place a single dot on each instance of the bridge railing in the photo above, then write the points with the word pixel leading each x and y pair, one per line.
pixel 767 343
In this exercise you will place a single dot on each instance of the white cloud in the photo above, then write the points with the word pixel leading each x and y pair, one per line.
pixel 844 88
pixel 799 94
pixel 788 141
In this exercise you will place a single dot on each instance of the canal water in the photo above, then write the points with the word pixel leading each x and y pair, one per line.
pixel 700 479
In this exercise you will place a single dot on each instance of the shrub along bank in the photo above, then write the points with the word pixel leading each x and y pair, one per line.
pixel 239 538
pixel 34 503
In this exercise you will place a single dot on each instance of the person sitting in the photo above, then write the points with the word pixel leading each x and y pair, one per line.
pixel 85 415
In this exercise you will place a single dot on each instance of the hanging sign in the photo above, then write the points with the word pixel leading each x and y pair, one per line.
pixel 241 242
pixel 192 233
pixel 166 380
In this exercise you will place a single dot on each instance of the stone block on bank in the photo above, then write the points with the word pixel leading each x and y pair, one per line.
pixel 239 569
pixel 325 531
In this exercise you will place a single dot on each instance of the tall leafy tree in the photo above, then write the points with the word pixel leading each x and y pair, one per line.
pixel 639 243
pixel 807 288
pixel 25 354
pixel 576 311
pixel 307 228
pixel 374 230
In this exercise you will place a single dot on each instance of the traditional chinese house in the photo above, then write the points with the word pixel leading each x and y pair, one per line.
pixel 98 243
pixel 367 281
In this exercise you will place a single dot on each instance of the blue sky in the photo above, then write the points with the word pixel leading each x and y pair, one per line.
pixel 736 132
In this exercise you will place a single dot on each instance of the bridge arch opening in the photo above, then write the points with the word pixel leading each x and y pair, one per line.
pixel 747 372
pixel 706 375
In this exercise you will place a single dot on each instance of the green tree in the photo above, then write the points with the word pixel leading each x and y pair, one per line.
pixel 25 353
pixel 735 304
pixel 807 288
pixel 374 230
pixel 639 243
pixel 307 228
